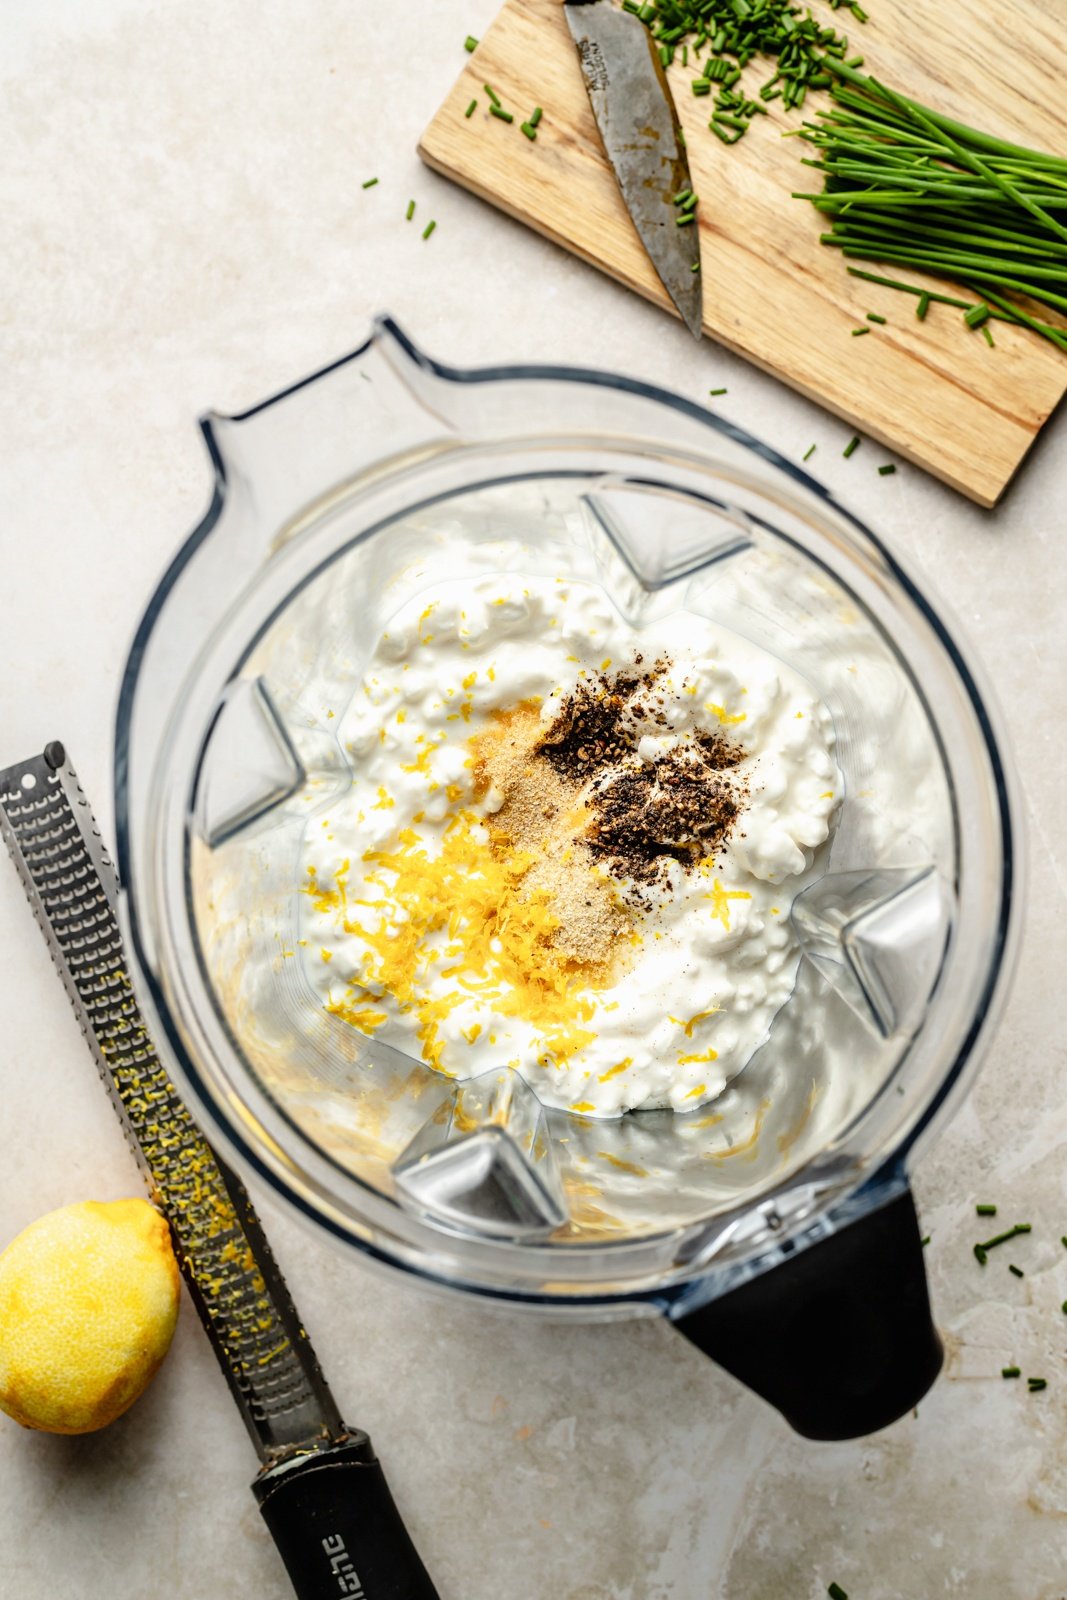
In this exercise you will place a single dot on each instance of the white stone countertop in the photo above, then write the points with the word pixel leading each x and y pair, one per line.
pixel 184 227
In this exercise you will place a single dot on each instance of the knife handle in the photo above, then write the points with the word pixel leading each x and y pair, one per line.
pixel 337 1529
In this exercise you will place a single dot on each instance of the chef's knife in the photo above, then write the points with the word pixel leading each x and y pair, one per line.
pixel 635 114
pixel 320 1487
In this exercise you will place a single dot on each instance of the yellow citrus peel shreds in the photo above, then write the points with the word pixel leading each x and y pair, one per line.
pixel 498 945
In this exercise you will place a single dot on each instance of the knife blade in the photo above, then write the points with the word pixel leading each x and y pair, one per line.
pixel 638 124
pixel 320 1489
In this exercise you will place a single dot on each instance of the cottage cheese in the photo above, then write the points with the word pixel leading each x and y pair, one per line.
pixel 709 962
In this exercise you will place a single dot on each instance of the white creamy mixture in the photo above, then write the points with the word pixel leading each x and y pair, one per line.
pixel 401 931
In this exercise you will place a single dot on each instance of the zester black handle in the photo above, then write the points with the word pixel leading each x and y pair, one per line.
pixel 840 1336
pixel 337 1528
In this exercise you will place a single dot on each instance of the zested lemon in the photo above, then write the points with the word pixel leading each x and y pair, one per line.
pixel 88 1304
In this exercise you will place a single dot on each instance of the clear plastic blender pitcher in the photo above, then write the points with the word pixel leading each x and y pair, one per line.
pixel 775 1226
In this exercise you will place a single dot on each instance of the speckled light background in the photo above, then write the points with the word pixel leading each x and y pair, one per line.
pixel 183 226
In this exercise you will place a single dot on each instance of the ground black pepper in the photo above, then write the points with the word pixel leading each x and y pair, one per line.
pixel 680 805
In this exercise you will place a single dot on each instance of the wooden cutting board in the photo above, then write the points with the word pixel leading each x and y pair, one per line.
pixel 933 390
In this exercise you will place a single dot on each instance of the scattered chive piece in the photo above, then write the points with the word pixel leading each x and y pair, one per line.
pixel 1064 1306
pixel 494 97
pixel 988 337
pixel 685 219
pixel 853 444
pixel 857 333
pixel 835 1591
pixel 976 316
pixel 535 116
pixel 809 452
pixel 695 267
pixel 1011 1372
pixel 370 183
pixel 426 232
pixel 1063 1240
pixel 470 109
pixel 872 316
pixel 530 132
pixel 410 212
pixel 470 43
pixel 884 472
pixel 1001 1238
pixel 1036 1384
pixel 718 391
pixel 923 307
pixel 682 197
pixel 1017 1271
pixel 986 1211
pixel 498 111
pixel 980 1255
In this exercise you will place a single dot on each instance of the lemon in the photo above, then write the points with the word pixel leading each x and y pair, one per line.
pixel 88 1304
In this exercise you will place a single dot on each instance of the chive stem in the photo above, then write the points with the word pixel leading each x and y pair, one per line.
pixel 491 92
pixel 1011 1372
pixel 426 232
pixel 809 452
pixel 410 212
pixel 471 109
pixel 853 444
pixel 884 472
pixel 986 1211
pixel 470 43
pixel 370 183
pixel 498 111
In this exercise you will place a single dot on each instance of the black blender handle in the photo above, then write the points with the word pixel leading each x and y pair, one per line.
pixel 839 1336
pixel 337 1529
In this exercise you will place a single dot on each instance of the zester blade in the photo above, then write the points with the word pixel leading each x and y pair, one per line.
pixel 635 114
pixel 227 1264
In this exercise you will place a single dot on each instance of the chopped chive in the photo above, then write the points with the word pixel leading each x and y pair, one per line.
pixel 410 212
pixel 681 197
pixel 1002 1238
pixel 685 219
pixel 470 43
pixel 872 316
pixel 535 116
pixel 531 133
pixel 1011 1372
pixel 700 86
pixel 986 1211
pixel 1016 1271
pixel 857 333
pixel 835 1591
pixel 471 109
pixel 370 183
pixel 809 452
pixel 1063 1240
pixel 887 470
pixel 426 232
pixel 976 316
pixel 695 267
pixel 718 391
pixel 988 337
pixel 853 444
pixel 923 307
pixel 494 97
pixel 498 111
pixel 1064 1306
pixel 980 1255
pixel 925 1241
pixel 1035 1385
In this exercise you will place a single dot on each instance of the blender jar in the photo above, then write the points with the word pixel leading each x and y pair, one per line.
pixel 774 1226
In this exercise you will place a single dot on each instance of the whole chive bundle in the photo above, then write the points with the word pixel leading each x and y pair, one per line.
pixel 909 187
pixel 735 32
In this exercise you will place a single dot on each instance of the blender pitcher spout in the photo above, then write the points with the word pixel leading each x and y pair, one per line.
pixel 286 457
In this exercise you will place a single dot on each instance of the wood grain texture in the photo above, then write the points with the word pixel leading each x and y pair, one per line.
pixel 933 391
